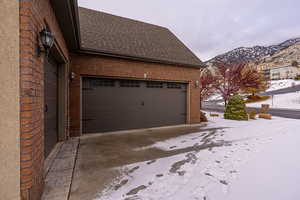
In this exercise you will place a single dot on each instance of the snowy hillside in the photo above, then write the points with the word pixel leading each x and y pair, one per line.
pixel 286 101
pixel 284 57
pixel 281 84
pixel 252 53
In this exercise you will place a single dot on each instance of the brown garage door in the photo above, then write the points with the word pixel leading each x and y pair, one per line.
pixel 51 107
pixel 110 104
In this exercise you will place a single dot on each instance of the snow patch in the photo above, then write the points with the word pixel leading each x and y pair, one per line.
pixel 281 84
pixel 285 101
pixel 202 172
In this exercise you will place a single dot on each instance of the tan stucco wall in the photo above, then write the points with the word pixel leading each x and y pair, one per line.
pixel 9 101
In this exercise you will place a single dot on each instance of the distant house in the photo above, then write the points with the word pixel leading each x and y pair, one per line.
pixel 281 72
pixel 267 73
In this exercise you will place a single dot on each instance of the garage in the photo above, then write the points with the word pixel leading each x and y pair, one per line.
pixel 130 75
pixel 50 105
pixel 120 104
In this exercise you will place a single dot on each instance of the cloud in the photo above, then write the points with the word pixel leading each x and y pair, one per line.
pixel 213 27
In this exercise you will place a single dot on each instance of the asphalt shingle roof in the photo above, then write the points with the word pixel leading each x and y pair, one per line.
pixel 110 34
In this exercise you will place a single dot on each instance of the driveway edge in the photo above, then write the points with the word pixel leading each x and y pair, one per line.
pixel 59 179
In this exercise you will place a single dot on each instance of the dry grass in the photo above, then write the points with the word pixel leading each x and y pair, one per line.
pixel 214 115
pixel 254 99
pixel 203 118
pixel 265 116
pixel 252 113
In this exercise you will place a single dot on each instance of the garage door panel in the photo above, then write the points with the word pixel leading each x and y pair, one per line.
pixel 128 104
pixel 166 106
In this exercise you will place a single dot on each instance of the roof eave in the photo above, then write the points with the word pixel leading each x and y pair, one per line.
pixel 129 57
pixel 67 16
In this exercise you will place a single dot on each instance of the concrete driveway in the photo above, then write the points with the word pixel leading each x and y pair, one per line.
pixel 188 162
pixel 94 161
pixel 101 155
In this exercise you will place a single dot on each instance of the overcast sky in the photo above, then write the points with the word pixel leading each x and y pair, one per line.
pixel 212 27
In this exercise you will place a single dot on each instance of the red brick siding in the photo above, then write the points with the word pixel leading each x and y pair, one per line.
pixel 33 16
pixel 112 67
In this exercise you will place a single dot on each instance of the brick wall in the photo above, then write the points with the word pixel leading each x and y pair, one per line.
pixel 112 67
pixel 34 14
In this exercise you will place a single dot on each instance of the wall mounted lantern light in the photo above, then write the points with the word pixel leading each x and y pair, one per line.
pixel 197 84
pixel 47 40
pixel 72 76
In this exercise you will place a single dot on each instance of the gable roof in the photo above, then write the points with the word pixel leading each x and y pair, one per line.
pixel 122 37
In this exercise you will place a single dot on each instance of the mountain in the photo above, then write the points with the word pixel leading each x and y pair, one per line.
pixel 284 57
pixel 252 54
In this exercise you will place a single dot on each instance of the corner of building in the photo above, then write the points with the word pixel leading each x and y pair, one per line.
pixel 9 101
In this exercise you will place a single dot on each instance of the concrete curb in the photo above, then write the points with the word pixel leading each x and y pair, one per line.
pixel 59 178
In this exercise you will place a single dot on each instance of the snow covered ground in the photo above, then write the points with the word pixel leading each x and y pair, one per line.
pixel 281 84
pixel 231 160
pixel 215 97
pixel 287 101
pixel 274 85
